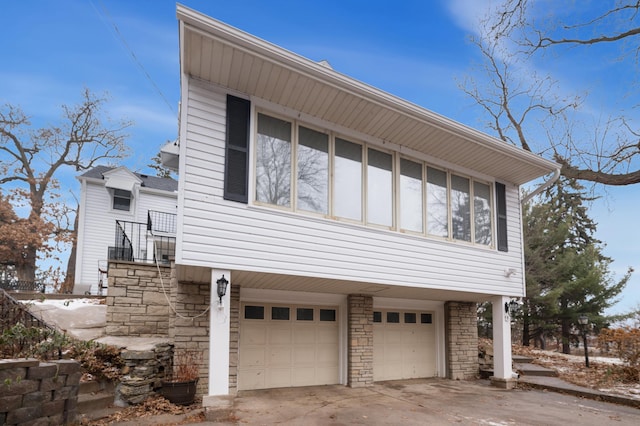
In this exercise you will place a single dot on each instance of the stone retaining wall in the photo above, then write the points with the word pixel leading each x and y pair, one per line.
pixel 143 373
pixel 34 392
pixel 136 302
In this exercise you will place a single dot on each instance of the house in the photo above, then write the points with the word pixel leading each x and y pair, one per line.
pixel 341 235
pixel 130 206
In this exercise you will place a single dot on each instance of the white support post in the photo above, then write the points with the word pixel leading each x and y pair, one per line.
pixel 219 336
pixel 502 367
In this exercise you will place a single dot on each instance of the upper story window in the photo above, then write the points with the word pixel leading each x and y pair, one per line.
pixel 121 200
pixel 310 170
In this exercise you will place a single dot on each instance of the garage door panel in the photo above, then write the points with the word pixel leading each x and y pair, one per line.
pixel 254 357
pixel 280 335
pixel 300 351
pixel 278 377
pixel 405 349
pixel 254 335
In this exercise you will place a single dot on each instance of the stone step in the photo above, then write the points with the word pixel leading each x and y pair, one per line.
pixel 522 359
pixel 527 369
pixel 89 402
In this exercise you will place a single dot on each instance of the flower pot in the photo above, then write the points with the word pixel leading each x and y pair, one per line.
pixel 181 393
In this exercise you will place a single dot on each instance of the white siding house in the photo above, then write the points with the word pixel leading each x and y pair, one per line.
pixel 360 229
pixel 111 198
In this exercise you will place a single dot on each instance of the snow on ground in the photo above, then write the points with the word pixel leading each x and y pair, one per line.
pixel 81 318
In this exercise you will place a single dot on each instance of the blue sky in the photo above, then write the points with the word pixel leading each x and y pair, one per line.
pixel 417 50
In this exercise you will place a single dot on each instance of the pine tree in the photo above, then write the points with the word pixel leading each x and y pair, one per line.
pixel 567 274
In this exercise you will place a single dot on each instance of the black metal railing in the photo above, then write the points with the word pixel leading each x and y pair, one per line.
pixel 20 285
pixel 161 222
pixel 145 242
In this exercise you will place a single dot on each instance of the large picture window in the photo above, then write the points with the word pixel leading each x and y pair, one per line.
pixel 379 188
pixel 313 171
pixel 348 172
pixel 411 205
pixel 273 161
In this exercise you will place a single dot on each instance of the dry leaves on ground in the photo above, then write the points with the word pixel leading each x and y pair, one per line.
pixel 154 406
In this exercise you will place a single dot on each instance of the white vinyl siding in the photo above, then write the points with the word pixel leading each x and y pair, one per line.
pixel 217 233
pixel 97 231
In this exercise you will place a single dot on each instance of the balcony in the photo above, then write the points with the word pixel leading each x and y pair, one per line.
pixel 147 242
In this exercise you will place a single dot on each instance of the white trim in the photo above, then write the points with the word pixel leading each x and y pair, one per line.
pixel 219 329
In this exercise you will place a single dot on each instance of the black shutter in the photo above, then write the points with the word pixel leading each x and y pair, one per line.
pixel 236 170
pixel 501 204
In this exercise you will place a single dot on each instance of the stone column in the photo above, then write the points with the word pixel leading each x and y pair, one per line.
pixel 360 336
pixel 461 340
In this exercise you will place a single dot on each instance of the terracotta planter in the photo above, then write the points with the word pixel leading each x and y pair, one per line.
pixel 181 393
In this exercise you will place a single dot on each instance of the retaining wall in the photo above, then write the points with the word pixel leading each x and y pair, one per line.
pixel 35 392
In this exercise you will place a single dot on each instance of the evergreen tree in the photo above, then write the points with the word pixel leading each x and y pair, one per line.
pixel 567 274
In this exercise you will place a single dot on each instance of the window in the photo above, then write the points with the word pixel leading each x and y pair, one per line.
pixel 273 161
pixel 426 319
pixel 121 200
pixel 437 203
pixel 254 312
pixel 411 195
pixel 409 318
pixel 379 188
pixel 460 209
pixel 377 316
pixel 393 317
pixel 278 313
pixel 304 314
pixel 312 170
pixel 482 213
pixel 348 177
pixel 327 315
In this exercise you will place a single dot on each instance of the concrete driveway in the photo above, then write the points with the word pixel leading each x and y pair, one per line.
pixel 423 402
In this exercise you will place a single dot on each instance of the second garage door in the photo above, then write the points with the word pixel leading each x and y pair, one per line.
pixel 403 345
pixel 287 346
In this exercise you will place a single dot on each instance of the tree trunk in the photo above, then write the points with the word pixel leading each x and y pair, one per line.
pixel 70 276
pixel 526 336
pixel 566 336
pixel 26 270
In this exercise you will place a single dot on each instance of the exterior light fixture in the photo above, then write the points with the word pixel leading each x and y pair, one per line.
pixel 583 320
pixel 222 288
pixel 510 307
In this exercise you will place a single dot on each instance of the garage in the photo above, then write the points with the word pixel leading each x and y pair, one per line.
pixel 404 345
pixel 287 345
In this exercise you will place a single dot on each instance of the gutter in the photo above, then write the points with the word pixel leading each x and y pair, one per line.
pixel 545 185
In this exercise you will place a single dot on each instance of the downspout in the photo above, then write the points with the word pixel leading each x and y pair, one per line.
pixel 545 185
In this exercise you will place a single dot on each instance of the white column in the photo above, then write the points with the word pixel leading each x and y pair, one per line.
pixel 502 368
pixel 219 336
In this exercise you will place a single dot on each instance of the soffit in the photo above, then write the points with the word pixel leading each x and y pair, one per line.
pixel 227 57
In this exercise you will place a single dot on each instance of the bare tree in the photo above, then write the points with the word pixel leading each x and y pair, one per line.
pixel 520 102
pixel 30 160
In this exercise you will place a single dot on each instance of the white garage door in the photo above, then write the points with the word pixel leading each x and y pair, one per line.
pixel 404 345
pixel 287 346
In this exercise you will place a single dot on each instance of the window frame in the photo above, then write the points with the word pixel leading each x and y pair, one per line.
pixel 115 195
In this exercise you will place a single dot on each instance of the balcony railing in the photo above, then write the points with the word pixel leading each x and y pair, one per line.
pixel 145 242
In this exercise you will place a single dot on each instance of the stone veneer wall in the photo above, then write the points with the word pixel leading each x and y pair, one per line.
pixel 189 324
pixel 144 371
pixel 136 303
pixel 461 340
pixel 38 393
pixel 360 335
